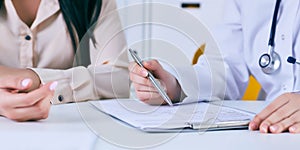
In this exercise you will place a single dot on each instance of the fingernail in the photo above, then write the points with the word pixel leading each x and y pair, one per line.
pixel 274 128
pixel 252 126
pixel 145 73
pixel 292 129
pixel 146 63
pixel 53 86
pixel 25 82
pixel 264 129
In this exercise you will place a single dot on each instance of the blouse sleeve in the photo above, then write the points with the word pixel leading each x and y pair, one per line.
pixel 106 76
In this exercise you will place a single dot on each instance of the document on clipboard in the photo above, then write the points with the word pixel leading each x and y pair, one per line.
pixel 196 116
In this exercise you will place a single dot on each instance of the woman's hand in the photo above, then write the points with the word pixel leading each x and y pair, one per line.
pixel 283 114
pixel 22 97
pixel 10 76
pixel 34 105
pixel 144 89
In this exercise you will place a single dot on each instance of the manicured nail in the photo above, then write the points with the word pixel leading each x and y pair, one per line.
pixel 25 82
pixel 53 86
pixel 292 129
pixel 274 128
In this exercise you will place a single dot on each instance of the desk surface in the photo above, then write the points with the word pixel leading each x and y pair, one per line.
pixel 82 126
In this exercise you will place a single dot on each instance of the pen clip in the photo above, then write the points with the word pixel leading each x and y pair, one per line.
pixel 136 58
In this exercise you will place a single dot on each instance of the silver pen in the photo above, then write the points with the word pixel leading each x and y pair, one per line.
pixel 151 78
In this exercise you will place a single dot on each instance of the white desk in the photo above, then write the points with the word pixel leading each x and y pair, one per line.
pixel 65 129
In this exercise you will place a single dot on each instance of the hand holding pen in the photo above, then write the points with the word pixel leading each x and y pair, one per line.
pixel 141 73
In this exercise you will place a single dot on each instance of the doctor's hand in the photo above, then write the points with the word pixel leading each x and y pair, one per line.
pixel 144 89
pixel 34 105
pixel 283 114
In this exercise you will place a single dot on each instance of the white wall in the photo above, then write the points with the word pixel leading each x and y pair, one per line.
pixel 142 36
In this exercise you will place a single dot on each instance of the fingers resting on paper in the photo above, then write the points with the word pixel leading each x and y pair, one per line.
pixel 283 114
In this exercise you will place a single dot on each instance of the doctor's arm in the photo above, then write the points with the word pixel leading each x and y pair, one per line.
pixel 207 79
pixel 230 37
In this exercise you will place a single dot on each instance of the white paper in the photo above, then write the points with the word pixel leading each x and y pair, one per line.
pixel 144 116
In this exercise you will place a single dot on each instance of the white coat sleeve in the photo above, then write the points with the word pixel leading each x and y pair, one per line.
pixel 229 36
pixel 221 73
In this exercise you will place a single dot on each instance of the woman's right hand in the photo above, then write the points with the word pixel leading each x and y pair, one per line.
pixel 144 89
pixel 20 106
pixel 11 76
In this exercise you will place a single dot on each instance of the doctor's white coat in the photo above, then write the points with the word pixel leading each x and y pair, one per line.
pixel 242 38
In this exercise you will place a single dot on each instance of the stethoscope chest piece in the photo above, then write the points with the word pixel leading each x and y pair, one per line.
pixel 270 63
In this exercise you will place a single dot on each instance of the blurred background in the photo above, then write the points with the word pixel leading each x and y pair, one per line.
pixel 208 12
pixel 171 30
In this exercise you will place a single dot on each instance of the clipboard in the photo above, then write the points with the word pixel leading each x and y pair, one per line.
pixel 191 117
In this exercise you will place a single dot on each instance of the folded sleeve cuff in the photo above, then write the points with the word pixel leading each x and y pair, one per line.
pixel 63 92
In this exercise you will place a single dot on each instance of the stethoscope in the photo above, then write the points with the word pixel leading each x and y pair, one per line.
pixel 270 62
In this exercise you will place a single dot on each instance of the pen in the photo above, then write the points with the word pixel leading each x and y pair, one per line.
pixel 151 78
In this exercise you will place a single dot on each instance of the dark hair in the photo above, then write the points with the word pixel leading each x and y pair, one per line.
pixel 80 17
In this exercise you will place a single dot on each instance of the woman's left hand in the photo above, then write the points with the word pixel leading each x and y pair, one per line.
pixel 283 114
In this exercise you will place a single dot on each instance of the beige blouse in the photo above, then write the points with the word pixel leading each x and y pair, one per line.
pixel 46 48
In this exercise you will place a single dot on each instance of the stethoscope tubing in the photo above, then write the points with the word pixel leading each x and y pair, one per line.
pixel 270 62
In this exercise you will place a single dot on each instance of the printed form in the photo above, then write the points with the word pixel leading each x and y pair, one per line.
pixel 192 116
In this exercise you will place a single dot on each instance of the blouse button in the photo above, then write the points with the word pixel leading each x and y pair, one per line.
pixel 60 98
pixel 28 37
